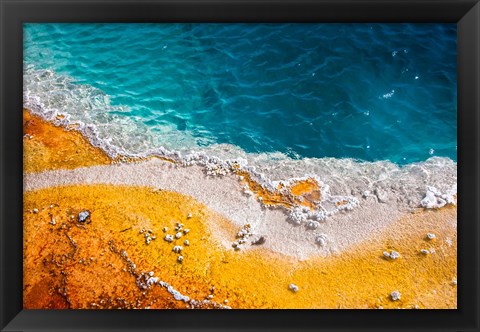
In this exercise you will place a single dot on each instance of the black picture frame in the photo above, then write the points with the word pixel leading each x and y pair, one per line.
pixel 466 13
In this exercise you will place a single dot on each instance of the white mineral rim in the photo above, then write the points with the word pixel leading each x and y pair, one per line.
pixel 288 231
pixel 359 199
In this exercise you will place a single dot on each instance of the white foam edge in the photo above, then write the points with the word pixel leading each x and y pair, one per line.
pixel 215 166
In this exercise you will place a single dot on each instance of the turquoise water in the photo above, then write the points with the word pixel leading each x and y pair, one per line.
pixel 363 91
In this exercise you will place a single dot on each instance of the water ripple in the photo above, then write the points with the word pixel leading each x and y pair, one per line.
pixel 363 91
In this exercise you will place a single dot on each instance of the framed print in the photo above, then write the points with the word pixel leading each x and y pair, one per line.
pixel 223 155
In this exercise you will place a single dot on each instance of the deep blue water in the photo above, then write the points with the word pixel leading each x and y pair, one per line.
pixel 364 91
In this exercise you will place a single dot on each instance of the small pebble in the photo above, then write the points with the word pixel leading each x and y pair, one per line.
pixel 189 216
pixel 395 295
pixel 293 288
pixel 165 229
pixel 187 243
pixel 312 225
pixel 186 230
pixel 321 240
pixel 178 235
pixel 177 249
pixel 225 301
pixel 168 238
pixel 35 210
pixel 431 236
pixel 454 281
pixel 83 216
pixel 425 251
pixel 180 259
pixel 394 255
pixel 210 296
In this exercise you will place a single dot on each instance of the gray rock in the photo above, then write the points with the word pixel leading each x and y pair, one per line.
pixel 395 295
pixel 312 224
pixel 394 255
pixel 294 288
pixel 83 216
pixel 321 240
pixel 177 249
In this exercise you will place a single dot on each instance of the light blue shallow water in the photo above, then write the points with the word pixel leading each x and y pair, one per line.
pixel 362 91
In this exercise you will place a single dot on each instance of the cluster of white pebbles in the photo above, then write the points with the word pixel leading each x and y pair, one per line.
pixel 180 232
